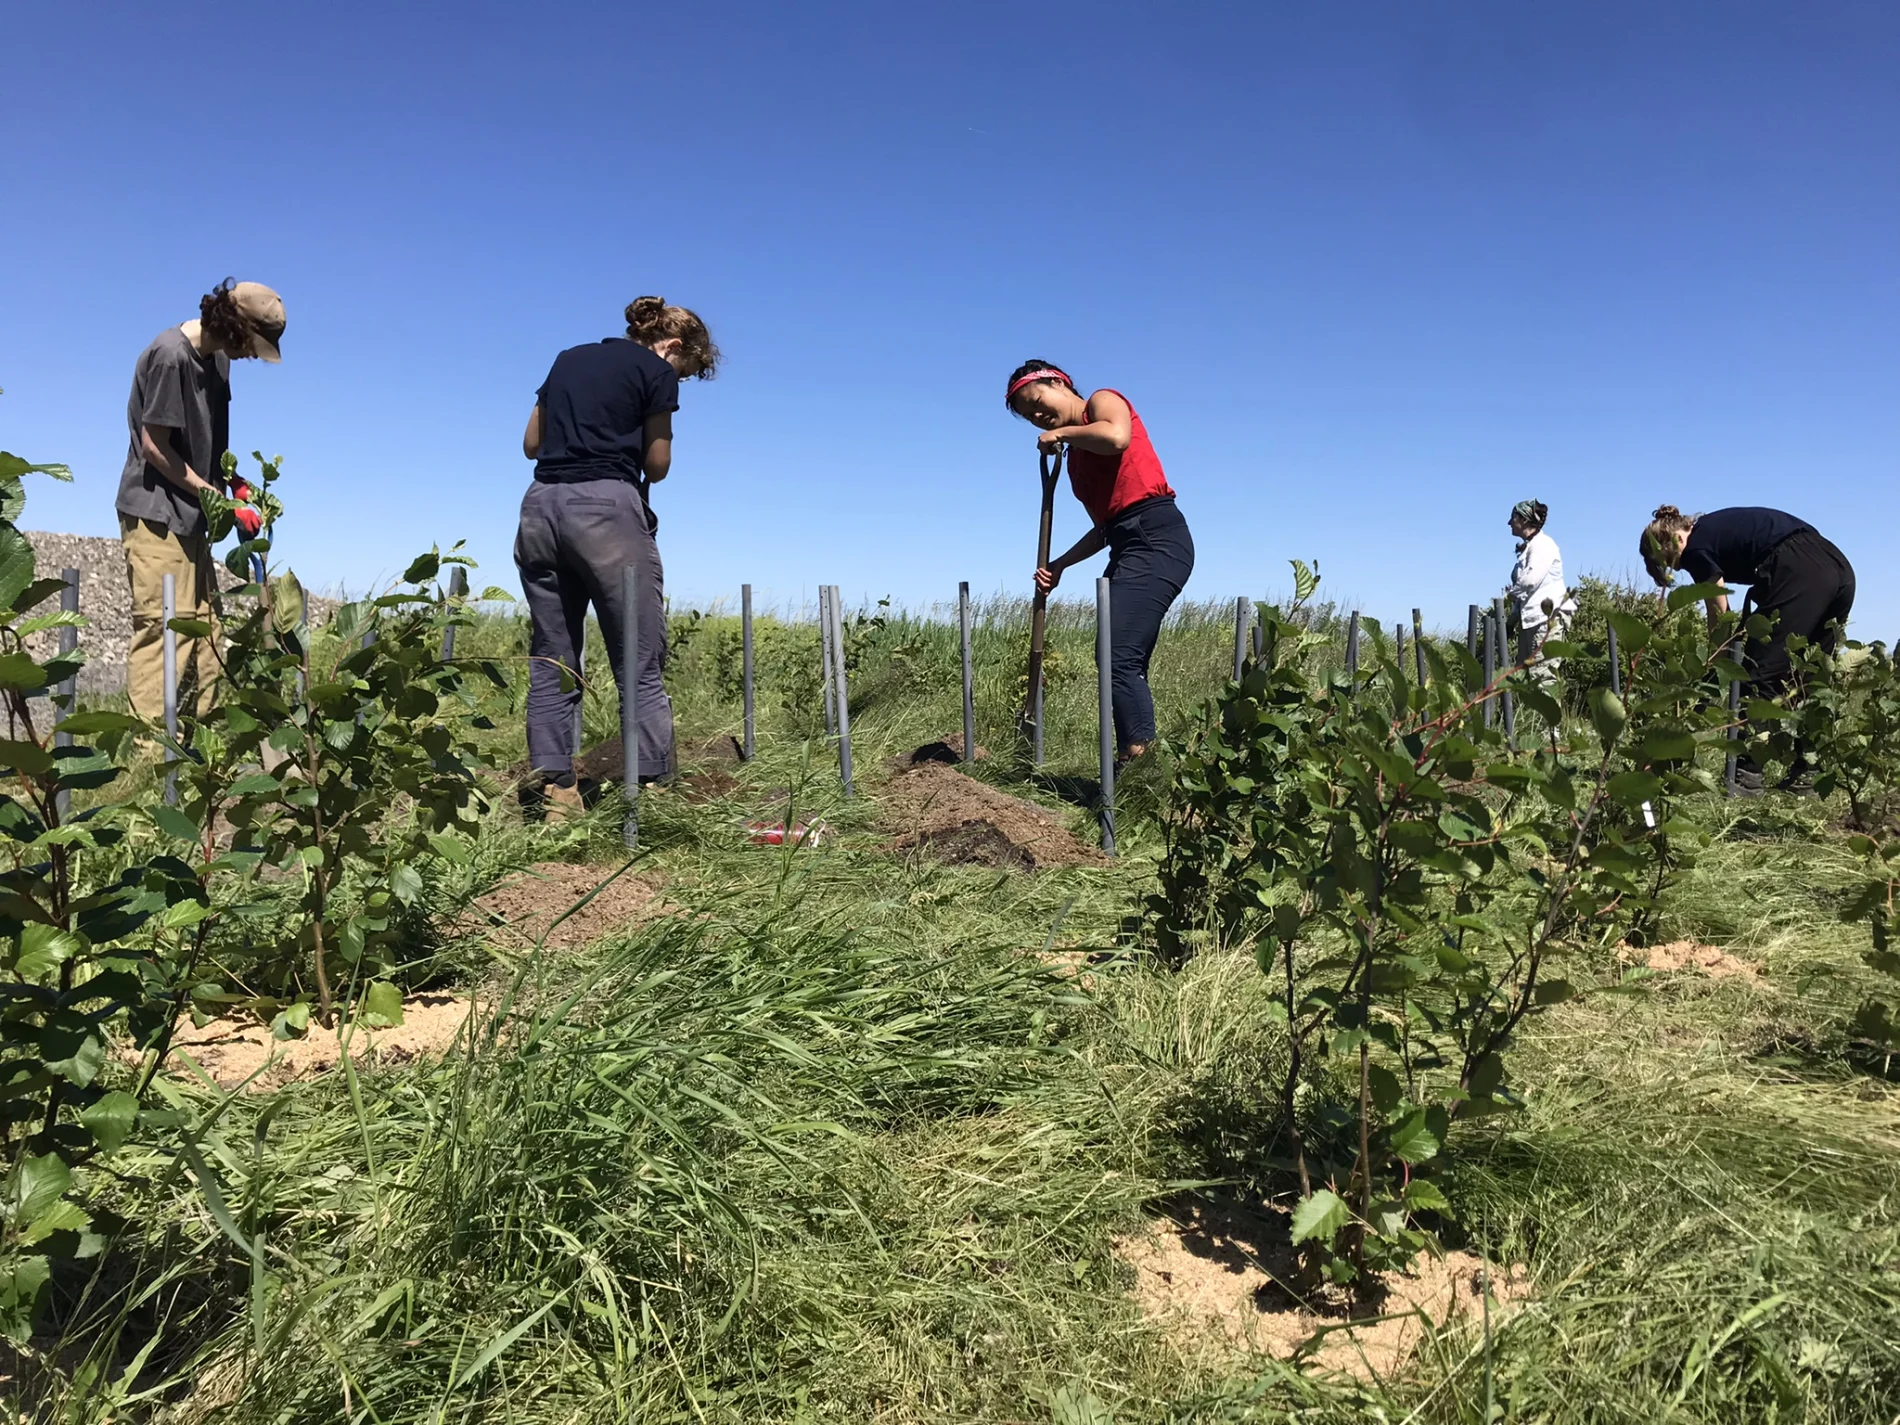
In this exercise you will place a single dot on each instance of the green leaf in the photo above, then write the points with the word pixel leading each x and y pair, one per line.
pixel 405 882
pixel 82 724
pixel 1320 1217
pixel 12 467
pixel 19 671
pixel 1687 594
pixel 382 1005
pixel 1412 1139
pixel 423 567
pixel 44 948
pixel 1422 1195
pixel 27 757
pixel 1667 745
pixel 1631 632
pixel 190 627
pixel 286 601
pixel 173 822
pixel 1632 789
pixel 37 1184
pixel 110 1120
pixel 16 566
pixel 1553 992
pixel 1607 715
pixel 185 913
pixel 451 848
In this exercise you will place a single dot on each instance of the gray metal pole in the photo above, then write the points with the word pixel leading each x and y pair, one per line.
pixel 844 691
pixel 745 661
pixel 68 689
pixel 824 656
pixel 1240 636
pixel 1508 703
pixel 1352 644
pixel 629 704
pixel 1259 641
pixel 1735 730
pixel 1471 631
pixel 1418 645
pixel 1616 666
pixel 458 588
pixel 1398 646
pixel 1105 696
pixel 169 608
pixel 1490 667
pixel 969 672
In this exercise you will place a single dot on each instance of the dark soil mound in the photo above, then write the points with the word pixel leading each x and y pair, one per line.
pixel 607 761
pixel 963 820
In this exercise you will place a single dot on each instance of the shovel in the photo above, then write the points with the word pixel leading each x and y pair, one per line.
pixel 1039 606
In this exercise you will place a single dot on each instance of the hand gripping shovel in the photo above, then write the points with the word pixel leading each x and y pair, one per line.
pixel 1039 607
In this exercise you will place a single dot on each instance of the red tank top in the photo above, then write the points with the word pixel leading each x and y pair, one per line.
pixel 1108 484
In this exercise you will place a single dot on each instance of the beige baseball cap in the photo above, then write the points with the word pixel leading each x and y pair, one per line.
pixel 263 309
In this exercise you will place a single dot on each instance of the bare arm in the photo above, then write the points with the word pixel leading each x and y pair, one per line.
pixel 1089 545
pixel 155 446
pixel 1109 429
pixel 1717 607
pixel 531 437
pixel 657 458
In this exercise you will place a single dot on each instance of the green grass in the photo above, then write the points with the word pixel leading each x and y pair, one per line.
pixel 833 1144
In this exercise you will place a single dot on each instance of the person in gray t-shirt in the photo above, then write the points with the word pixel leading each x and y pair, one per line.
pixel 178 421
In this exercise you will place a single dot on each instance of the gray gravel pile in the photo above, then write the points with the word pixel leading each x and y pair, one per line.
pixel 105 599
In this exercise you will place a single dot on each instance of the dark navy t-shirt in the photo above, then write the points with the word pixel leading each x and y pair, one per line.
pixel 1731 544
pixel 594 408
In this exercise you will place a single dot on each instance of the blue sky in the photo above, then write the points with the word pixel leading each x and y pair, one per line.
pixel 1370 271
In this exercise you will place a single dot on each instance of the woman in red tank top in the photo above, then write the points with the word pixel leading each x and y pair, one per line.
pixel 1117 476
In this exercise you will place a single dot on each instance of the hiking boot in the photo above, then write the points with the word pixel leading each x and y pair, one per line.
pixel 1747 782
pixel 562 804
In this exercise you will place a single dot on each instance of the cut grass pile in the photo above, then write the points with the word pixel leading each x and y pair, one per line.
pixel 842 1136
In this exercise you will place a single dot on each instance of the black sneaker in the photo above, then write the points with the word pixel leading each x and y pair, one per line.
pixel 1747 782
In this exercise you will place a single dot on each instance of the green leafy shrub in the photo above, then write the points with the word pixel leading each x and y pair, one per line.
pixel 1413 889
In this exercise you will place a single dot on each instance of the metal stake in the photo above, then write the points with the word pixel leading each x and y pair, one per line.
pixel 1735 725
pixel 1616 666
pixel 1490 667
pixel 1510 709
pixel 170 610
pixel 68 689
pixel 1240 635
pixel 629 703
pixel 844 691
pixel 1471 631
pixel 458 588
pixel 1418 645
pixel 745 661
pixel 969 672
pixel 824 655
pixel 1105 694
pixel 1352 645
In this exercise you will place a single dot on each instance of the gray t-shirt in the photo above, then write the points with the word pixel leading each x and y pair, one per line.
pixel 173 386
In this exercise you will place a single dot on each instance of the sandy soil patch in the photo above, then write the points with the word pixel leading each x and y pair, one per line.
pixel 966 822
pixel 1220 1280
pixel 1685 955
pixel 232 1050
pixel 524 906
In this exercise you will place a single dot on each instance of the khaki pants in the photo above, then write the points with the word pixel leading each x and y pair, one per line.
pixel 151 552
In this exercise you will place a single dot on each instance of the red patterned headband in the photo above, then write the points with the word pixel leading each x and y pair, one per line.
pixel 1048 373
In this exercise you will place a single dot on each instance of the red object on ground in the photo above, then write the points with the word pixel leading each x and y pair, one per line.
pixel 248 520
pixel 773 833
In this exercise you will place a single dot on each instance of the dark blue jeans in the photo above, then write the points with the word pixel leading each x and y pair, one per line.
pixel 573 544
pixel 1150 555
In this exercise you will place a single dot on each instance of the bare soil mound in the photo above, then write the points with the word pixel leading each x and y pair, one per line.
pixel 607 761
pixel 522 908
pixel 947 750
pixel 965 822
pixel 1685 955
pixel 232 1050
pixel 1221 1282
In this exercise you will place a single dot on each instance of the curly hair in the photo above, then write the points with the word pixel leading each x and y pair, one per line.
pixel 1657 545
pixel 218 314
pixel 650 320
pixel 1029 368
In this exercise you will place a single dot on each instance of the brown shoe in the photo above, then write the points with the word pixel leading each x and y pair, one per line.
pixel 562 803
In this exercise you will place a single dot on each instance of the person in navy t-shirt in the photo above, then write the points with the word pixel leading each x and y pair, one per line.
pixel 1796 577
pixel 601 434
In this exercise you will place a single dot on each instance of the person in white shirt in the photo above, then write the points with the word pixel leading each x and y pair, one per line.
pixel 1537 591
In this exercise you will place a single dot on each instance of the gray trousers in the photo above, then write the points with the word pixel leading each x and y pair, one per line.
pixel 573 543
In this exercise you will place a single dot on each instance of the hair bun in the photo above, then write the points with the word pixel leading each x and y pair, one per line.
pixel 1666 512
pixel 644 311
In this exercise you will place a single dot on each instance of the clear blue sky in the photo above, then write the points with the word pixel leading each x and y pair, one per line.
pixel 1370 272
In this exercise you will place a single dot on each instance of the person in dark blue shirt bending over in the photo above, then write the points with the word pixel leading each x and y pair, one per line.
pixel 601 435
pixel 1794 576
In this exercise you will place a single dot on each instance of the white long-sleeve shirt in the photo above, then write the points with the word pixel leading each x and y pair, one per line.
pixel 1537 577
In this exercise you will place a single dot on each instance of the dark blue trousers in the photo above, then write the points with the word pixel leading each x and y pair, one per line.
pixel 573 544
pixel 1150 555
